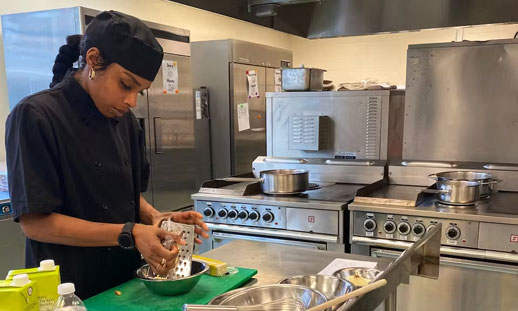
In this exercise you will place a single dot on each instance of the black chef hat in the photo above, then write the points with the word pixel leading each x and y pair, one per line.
pixel 127 41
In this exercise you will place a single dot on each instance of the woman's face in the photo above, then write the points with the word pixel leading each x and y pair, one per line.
pixel 114 90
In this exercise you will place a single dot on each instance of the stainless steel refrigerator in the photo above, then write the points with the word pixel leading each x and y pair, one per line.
pixel 228 69
pixel 177 142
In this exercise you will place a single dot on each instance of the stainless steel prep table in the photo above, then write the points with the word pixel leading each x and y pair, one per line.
pixel 275 262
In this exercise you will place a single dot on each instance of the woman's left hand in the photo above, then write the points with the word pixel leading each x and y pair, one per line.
pixel 190 218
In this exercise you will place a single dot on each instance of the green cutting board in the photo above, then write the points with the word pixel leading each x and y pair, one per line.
pixel 136 296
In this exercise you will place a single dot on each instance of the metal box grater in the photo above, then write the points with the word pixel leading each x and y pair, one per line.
pixel 182 268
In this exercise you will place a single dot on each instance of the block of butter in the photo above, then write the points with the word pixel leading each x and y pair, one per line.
pixel 216 267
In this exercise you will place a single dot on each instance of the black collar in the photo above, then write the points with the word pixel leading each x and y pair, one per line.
pixel 80 100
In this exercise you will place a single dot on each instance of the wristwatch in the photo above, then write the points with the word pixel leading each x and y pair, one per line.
pixel 126 240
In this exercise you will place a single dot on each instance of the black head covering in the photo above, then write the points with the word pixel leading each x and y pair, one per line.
pixel 127 41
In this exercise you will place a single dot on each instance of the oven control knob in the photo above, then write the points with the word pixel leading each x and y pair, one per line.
pixel 268 217
pixel 429 228
pixel 369 225
pixel 254 215
pixel 389 226
pixel 208 211
pixel 453 233
pixel 222 213
pixel 232 214
pixel 403 228
pixel 418 229
pixel 243 215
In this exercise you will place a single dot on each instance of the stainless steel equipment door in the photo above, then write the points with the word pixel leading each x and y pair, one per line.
pixel 173 154
pixel 246 145
pixel 141 112
pixel 12 246
pixel 462 285
pixel 221 238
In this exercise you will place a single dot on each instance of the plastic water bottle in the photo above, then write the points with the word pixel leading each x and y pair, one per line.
pixel 67 300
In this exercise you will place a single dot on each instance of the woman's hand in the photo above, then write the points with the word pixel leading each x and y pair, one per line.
pixel 190 218
pixel 148 242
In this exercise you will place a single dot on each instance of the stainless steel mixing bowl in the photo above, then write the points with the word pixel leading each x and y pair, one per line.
pixel 267 293
pixel 366 273
pixel 172 287
pixel 330 286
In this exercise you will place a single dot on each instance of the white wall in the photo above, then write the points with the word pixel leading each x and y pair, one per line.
pixel 381 57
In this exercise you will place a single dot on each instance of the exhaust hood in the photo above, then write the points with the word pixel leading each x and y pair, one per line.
pixel 338 18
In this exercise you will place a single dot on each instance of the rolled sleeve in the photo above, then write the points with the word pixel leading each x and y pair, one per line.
pixel 32 162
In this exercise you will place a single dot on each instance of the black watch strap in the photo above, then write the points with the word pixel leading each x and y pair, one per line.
pixel 126 240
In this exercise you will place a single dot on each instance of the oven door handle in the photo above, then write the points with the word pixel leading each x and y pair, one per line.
pixel 219 236
pixel 445 250
pixel 314 237
pixel 456 262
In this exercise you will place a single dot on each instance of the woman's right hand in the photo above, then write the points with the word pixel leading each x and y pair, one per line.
pixel 148 241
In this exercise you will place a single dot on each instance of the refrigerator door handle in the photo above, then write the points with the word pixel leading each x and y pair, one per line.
pixel 158 135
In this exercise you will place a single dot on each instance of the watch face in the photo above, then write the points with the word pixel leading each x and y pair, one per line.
pixel 126 241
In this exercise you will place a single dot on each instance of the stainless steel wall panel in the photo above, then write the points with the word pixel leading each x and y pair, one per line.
pixel 461 102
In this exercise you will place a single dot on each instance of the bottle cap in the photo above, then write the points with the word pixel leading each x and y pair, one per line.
pixel 66 289
pixel 47 265
pixel 20 280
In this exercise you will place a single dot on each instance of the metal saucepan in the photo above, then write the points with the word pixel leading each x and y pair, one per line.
pixel 487 181
pixel 456 192
pixel 279 181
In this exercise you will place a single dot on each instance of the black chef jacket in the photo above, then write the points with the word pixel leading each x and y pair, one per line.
pixel 64 156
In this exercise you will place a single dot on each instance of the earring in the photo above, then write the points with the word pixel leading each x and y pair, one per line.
pixel 91 74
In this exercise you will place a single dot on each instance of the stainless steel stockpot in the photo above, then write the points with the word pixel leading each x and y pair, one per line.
pixel 282 181
pixel 487 181
pixel 456 192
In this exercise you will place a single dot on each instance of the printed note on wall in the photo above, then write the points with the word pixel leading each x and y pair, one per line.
pixel 170 77
pixel 253 87
pixel 243 117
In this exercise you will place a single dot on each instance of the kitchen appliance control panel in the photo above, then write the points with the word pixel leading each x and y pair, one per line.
pixel 242 214
pixel 410 228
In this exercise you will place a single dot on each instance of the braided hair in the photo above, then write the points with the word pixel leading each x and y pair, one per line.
pixel 69 54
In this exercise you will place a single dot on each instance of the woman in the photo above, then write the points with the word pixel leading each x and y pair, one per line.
pixel 76 161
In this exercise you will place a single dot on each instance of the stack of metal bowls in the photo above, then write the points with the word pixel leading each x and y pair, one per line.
pixel 267 293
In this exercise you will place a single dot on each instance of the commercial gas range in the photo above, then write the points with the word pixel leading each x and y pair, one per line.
pixel 479 243
pixel 340 138
pixel 460 115
pixel 315 219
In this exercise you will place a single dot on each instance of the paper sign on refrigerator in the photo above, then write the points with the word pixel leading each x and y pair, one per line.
pixel 278 80
pixel 170 77
pixel 253 88
pixel 243 117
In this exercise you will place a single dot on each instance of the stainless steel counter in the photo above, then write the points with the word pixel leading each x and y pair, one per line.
pixel 275 262
pixel 501 208
pixel 329 197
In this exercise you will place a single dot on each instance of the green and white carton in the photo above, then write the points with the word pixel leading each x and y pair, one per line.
pixel 47 279
pixel 19 294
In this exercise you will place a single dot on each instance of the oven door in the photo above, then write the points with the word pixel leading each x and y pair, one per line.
pixel 463 284
pixel 222 238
